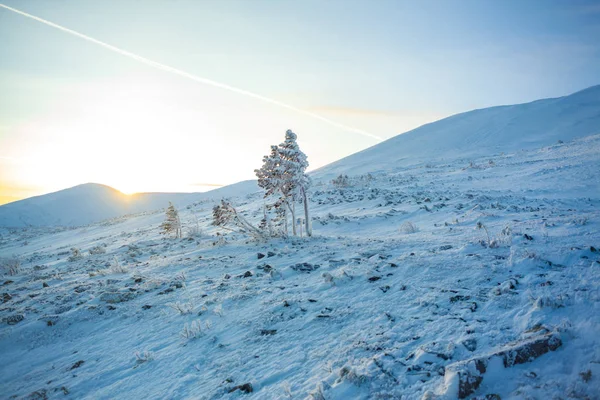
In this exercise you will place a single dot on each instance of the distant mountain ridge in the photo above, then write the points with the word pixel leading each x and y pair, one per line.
pixel 473 134
pixel 93 202
pixel 479 133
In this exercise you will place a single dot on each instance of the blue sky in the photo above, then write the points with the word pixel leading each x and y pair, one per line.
pixel 380 66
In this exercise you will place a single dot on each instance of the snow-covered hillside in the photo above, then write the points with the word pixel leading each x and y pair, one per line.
pixel 91 202
pixel 481 132
pixel 438 280
pixel 459 138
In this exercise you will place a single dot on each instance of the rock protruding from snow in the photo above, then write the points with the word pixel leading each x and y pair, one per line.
pixel 464 377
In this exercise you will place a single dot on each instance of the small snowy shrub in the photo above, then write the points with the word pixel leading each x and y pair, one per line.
pixel 489 243
pixel 287 389
pixel 182 308
pixel 10 266
pixel 75 254
pixel 97 250
pixel 505 237
pixel 143 357
pixel 117 268
pixel 408 228
pixel 349 374
pixel 192 331
pixel 194 231
pixel 341 181
pixel 547 301
pixel 218 310
pixel 318 393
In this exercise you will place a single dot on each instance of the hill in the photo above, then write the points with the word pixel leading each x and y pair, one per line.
pixel 479 133
pixel 92 202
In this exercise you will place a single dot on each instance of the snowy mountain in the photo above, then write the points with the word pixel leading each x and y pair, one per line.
pixel 464 136
pixel 92 202
pixel 479 133
pixel 443 281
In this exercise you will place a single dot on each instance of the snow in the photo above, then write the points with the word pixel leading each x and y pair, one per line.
pixel 480 132
pixel 364 309
pixel 92 202
pixel 382 316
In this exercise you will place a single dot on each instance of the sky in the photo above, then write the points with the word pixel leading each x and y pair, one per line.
pixel 73 111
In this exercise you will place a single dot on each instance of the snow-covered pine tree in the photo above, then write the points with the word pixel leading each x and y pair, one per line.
pixel 295 180
pixel 283 173
pixel 270 178
pixel 172 223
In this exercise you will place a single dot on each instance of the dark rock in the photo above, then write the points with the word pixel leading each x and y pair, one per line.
pixel 146 307
pixel 6 297
pixel 285 303
pixel 14 319
pixel 44 284
pixel 37 395
pixel 260 255
pixel 385 288
pixel 593 249
pixel 138 280
pixel 459 297
pixel 305 267
pixel 527 350
pixel 374 278
pixel 77 365
pixel 227 276
pixel 470 372
pixel 8 282
pixel 167 290
pixel 470 344
pixel 586 375
pixel 270 254
pixel 268 332
pixel 526 236
pixel 393 265
pixel 312 300
pixel 247 274
pixel 81 288
pixel 245 388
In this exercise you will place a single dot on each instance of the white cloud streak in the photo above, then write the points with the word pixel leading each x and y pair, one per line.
pixel 193 77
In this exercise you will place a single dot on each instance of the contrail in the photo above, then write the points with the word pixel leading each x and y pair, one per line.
pixel 195 78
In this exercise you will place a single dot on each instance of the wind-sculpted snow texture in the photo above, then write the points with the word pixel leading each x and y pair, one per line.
pixel 365 309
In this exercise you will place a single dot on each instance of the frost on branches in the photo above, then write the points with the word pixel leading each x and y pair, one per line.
pixel 283 175
pixel 172 224
pixel 227 217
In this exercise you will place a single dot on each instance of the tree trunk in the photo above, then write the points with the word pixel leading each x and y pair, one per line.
pixel 306 214
pixel 292 211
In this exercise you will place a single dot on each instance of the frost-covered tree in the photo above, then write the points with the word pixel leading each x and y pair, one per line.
pixel 172 223
pixel 226 216
pixel 283 173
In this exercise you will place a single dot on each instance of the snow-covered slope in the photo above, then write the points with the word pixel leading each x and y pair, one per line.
pixel 464 136
pixel 398 295
pixel 479 133
pixel 78 205
pixel 91 202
